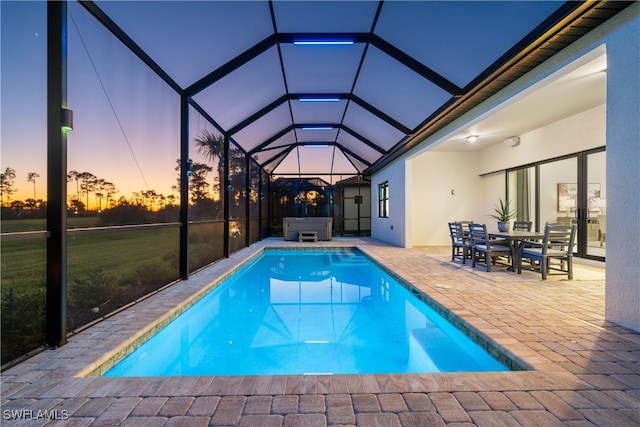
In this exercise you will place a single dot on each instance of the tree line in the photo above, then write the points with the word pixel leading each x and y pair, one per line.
pixel 7 189
pixel 97 196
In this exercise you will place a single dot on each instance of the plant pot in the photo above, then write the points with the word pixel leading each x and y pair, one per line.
pixel 503 226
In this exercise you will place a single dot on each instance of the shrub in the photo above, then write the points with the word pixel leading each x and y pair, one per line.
pixel 125 214
pixel 92 289
pixel 156 273
pixel 23 321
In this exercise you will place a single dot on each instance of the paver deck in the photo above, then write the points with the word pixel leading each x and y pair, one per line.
pixel 584 371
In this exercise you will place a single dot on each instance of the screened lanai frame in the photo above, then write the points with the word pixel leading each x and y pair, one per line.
pixel 357 74
pixel 354 137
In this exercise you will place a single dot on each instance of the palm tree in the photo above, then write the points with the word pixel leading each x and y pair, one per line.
pixel 31 177
pixel 211 145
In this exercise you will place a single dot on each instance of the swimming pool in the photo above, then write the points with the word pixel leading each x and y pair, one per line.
pixel 307 312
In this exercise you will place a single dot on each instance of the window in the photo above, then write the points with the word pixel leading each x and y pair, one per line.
pixel 383 200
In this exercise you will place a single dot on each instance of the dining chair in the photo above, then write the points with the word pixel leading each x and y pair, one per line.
pixel 483 247
pixel 557 244
pixel 522 225
pixel 460 242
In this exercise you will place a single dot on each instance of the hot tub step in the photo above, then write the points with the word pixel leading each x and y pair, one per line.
pixel 307 236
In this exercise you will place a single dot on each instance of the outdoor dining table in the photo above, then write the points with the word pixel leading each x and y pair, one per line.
pixel 516 238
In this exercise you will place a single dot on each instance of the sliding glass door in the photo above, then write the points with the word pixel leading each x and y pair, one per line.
pixel 558 193
pixel 596 204
pixel 570 190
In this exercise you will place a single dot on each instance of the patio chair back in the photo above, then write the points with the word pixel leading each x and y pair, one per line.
pixel 460 243
pixel 557 243
pixel 522 225
pixel 484 248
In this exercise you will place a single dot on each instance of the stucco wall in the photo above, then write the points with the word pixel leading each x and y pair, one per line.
pixel 580 132
pixel 395 228
pixel 623 179
pixel 435 176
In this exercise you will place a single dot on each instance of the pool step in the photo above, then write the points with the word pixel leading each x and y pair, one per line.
pixel 348 260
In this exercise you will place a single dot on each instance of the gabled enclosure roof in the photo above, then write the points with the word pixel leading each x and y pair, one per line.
pixel 319 87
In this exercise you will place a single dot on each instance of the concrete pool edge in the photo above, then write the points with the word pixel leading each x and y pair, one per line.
pixel 112 357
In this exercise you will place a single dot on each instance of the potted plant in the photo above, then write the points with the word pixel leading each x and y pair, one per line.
pixel 503 213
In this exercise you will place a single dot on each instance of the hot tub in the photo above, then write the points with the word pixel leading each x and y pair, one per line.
pixel 322 225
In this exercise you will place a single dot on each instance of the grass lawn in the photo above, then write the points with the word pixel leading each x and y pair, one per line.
pixel 120 253
pixel 18 225
pixel 104 269
pixel 23 263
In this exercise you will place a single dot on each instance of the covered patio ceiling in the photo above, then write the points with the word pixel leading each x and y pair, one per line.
pixel 339 87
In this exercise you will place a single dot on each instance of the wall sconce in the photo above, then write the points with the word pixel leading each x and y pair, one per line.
pixel 512 141
pixel 67 119
pixel 472 138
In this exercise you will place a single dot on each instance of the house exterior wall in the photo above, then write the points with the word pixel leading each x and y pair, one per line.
pixel 435 176
pixel 393 229
pixel 579 132
pixel 620 37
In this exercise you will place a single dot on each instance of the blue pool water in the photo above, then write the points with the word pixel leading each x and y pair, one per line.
pixel 307 312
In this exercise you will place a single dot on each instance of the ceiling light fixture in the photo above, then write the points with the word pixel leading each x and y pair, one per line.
pixel 472 138
pixel 316 145
pixel 322 42
pixel 319 99
pixel 317 128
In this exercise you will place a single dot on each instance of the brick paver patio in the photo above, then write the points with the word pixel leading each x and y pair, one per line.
pixel 583 370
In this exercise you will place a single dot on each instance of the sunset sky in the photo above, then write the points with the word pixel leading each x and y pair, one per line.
pixel 126 119
pixel 126 133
